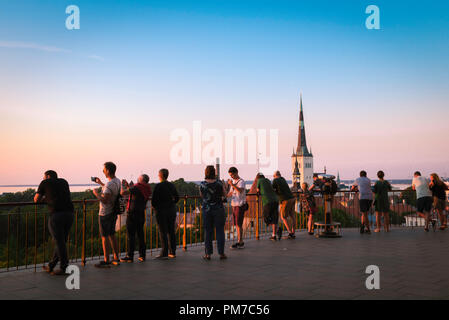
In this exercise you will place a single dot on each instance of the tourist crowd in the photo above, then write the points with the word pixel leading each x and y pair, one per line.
pixel 277 199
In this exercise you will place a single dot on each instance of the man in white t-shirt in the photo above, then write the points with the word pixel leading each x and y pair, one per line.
pixel 237 193
pixel 107 218
pixel 363 186
pixel 423 197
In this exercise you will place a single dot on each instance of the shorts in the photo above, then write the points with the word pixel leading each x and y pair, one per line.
pixel 287 208
pixel 365 204
pixel 439 204
pixel 424 204
pixel 107 224
pixel 238 214
pixel 382 206
pixel 271 213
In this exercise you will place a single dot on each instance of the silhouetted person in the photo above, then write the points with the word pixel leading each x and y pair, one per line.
pixel 213 193
pixel 308 205
pixel 139 194
pixel 287 204
pixel 382 203
pixel 423 197
pixel 439 188
pixel 107 217
pixel 270 203
pixel 56 193
pixel 363 186
pixel 237 193
pixel 165 197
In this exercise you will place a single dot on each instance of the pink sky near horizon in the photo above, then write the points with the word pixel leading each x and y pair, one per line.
pixel 77 144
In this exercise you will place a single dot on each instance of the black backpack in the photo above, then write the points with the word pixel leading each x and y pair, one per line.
pixel 119 204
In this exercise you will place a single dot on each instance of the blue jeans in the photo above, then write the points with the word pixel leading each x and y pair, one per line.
pixel 214 218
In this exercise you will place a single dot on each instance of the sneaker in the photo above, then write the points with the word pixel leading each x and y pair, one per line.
pixel 47 269
pixel 103 264
pixel 291 236
pixel 115 262
pixel 223 257
pixel 273 238
pixel 235 246
pixel 206 257
pixel 279 233
pixel 59 272
pixel 126 259
pixel 241 245
pixel 141 259
pixel 362 229
pixel 161 257
pixel 172 256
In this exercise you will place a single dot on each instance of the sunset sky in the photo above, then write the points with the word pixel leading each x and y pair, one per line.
pixel 136 70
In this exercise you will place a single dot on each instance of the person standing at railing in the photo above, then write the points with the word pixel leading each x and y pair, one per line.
pixel 439 188
pixel 237 193
pixel 165 198
pixel 423 197
pixel 270 203
pixel 308 205
pixel 363 186
pixel 213 193
pixel 381 202
pixel 287 204
pixel 107 218
pixel 56 193
pixel 139 194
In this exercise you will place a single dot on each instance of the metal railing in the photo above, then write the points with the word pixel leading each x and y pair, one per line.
pixel 26 243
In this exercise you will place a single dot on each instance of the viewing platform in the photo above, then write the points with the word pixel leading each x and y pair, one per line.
pixel 413 265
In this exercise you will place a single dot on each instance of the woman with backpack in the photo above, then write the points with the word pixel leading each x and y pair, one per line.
pixel 213 193
pixel 381 202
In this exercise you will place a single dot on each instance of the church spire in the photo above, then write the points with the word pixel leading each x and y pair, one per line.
pixel 302 145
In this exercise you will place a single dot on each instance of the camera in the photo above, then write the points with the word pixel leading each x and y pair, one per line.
pixel 94 179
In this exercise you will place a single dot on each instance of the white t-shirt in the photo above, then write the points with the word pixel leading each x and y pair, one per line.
pixel 238 198
pixel 422 187
pixel 112 187
pixel 364 186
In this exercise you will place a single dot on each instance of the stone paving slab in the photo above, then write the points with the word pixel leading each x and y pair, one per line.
pixel 413 265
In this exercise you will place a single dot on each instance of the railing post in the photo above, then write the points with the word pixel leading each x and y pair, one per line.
pixel 184 236
pixel 83 248
pixel 257 216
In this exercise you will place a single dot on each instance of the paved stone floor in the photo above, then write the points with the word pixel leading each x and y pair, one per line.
pixel 413 265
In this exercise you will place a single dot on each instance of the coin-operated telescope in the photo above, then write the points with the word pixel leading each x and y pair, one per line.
pixel 328 188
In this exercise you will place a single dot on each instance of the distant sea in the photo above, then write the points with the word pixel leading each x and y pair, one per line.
pixel 23 187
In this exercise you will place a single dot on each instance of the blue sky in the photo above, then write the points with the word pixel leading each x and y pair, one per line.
pixel 372 98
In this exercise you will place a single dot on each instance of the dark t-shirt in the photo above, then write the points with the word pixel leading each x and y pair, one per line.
pixel 439 190
pixel 282 189
pixel 57 195
pixel 165 196
pixel 137 202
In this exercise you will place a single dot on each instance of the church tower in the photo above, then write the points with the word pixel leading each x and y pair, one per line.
pixel 302 156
